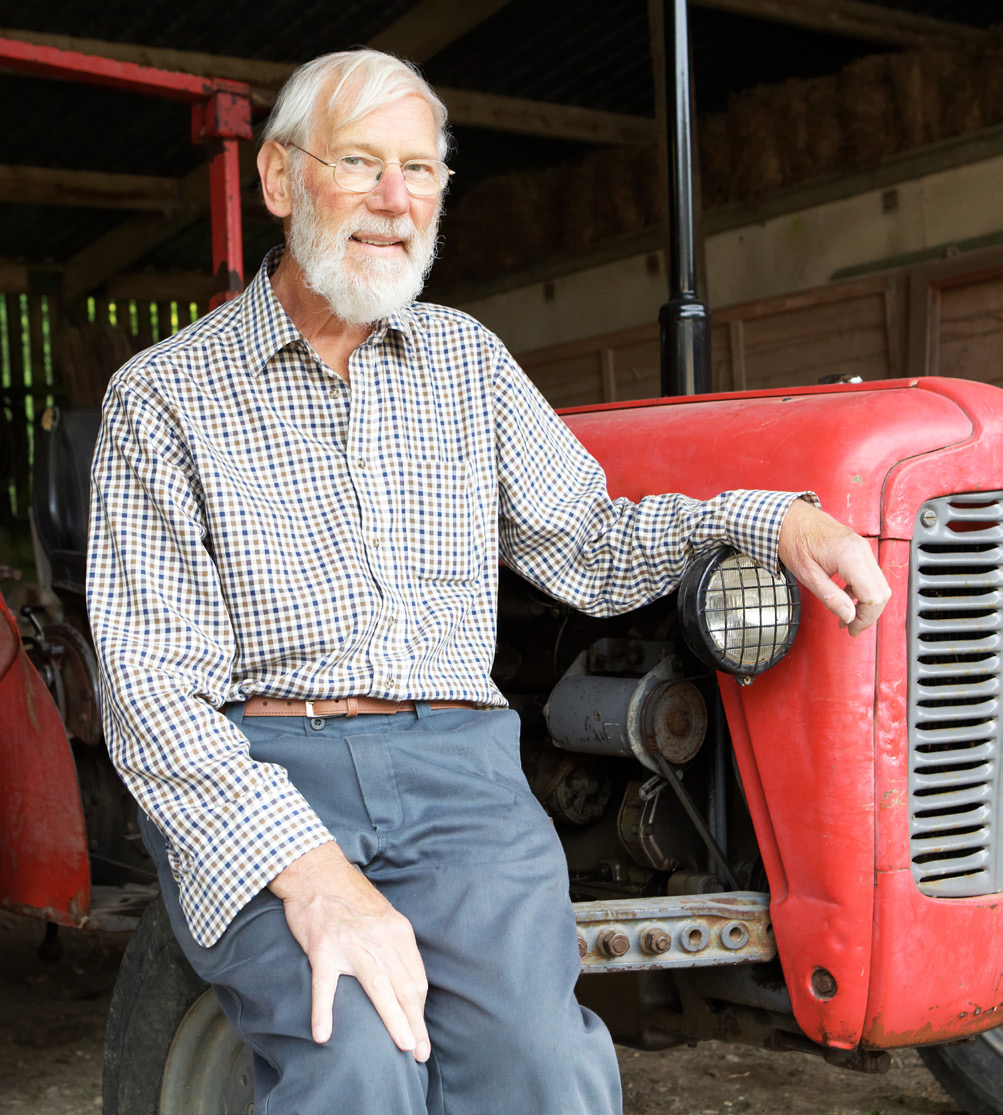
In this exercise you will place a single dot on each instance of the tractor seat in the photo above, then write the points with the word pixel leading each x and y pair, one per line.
pixel 64 446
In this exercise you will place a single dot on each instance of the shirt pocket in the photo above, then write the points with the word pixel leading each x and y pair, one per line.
pixel 441 522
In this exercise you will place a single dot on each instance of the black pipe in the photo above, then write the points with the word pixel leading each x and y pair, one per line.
pixel 684 320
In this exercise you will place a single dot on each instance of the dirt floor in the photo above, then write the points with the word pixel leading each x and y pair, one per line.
pixel 52 1021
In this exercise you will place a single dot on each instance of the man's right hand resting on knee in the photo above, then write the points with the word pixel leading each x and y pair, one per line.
pixel 347 928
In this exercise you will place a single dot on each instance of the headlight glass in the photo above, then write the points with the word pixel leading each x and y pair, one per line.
pixel 737 616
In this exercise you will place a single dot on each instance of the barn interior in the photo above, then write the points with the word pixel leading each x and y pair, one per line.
pixel 849 155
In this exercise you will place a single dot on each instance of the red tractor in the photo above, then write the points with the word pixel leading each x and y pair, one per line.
pixel 775 834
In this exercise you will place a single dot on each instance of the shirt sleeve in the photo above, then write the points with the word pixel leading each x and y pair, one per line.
pixel 165 646
pixel 559 528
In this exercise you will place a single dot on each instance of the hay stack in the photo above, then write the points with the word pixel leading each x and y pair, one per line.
pixel 870 130
pixel 987 75
pixel 756 142
pixel 769 137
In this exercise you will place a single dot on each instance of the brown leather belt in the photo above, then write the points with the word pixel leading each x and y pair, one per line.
pixel 341 706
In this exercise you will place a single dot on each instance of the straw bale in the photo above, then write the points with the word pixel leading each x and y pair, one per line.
pixel 905 77
pixel 715 147
pixel 987 70
pixel 949 99
pixel 608 198
pixel 769 137
pixel 583 215
pixel 758 164
pixel 824 151
pixel 503 223
pixel 867 111
pixel 793 124
pixel 938 67
pixel 960 100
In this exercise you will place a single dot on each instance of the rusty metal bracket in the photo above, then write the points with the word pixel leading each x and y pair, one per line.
pixel 687 931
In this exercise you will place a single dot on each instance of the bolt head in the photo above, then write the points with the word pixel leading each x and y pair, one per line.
pixel 655 941
pixel 613 942
pixel 823 984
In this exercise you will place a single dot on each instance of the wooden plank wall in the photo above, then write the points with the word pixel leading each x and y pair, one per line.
pixel 939 319
pixel 957 317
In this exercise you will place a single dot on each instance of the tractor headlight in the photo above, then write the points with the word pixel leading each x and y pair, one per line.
pixel 737 616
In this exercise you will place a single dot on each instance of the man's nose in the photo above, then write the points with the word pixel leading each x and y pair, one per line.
pixel 390 195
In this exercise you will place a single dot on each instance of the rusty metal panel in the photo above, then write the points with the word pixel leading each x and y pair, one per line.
pixel 688 931
pixel 43 845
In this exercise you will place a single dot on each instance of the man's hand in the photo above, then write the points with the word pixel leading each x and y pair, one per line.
pixel 816 548
pixel 346 927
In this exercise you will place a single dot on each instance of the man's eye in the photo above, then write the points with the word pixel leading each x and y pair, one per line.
pixel 358 162
pixel 419 170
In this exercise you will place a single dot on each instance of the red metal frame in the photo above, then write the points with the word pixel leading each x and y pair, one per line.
pixel 44 868
pixel 221 116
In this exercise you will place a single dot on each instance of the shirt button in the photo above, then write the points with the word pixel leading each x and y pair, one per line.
pixel 391 683
pixel 362 463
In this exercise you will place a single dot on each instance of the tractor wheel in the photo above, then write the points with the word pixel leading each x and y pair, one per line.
pixel 168 1047
pixel 970 1072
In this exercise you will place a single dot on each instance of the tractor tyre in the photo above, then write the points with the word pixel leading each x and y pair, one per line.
pixel 168 1046
pixel 970 1072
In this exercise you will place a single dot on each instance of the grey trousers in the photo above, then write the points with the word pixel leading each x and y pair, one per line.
pixel 434 808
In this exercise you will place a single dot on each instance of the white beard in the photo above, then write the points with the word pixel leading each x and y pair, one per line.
pixel 370 288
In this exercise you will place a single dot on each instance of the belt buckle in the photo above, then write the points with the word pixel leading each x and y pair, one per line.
pixel 350 709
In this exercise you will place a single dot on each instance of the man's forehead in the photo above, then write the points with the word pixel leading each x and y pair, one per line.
pixel 408 120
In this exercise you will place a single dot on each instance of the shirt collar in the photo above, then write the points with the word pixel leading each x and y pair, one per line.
pixel 403 321
pixel 266 328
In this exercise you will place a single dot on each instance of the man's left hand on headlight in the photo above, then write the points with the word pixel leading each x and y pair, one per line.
pixel 816 548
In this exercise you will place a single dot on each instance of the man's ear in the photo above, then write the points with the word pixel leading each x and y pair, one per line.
pixel 276 184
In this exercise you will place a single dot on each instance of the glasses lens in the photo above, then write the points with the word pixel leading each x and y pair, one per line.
pixel 424 177
pixel 357 173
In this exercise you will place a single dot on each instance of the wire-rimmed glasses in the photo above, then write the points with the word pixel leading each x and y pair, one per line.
pixel 358 174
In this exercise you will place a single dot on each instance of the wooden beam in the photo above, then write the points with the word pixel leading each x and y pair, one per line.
pixel 47 186
pixel 872 22
pixel 432 25
pixel 116 250
pixel 514 114
pixel 466 109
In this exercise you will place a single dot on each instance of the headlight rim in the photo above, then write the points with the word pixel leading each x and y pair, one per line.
pixel 691 594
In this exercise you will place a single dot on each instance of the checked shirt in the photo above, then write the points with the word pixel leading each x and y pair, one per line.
pixel 259 526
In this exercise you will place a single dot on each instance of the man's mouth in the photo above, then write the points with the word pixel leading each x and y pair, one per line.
pixel 377 241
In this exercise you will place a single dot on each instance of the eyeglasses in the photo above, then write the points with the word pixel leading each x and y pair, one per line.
pixel 361 173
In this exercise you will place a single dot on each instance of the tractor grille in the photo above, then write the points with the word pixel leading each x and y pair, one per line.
pixel 956 614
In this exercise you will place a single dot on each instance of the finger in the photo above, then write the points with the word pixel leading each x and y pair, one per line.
pixel 819 584
pixel 323 986
pixel 872 594
pixel 411 996
pixel 867 615
pixel 380 989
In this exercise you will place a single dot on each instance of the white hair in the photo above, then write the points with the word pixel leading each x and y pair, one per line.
pixel 359 81
pixel 370 288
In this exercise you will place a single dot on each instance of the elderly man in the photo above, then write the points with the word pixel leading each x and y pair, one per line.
pixel 299 505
